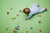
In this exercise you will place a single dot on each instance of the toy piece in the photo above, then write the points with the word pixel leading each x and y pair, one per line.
pixel 15 27
pixel 31 27
pixel 6 28
pixel 40 30
pixel 17 14
pixel 13 17
pixel 26 30
pixel 26 7
pixel 40 15
pixel 17 23
pixel 7 12
pixel 13 30
pixel 18 26
pixel 11 8
pixel 39 21
pixel 25 18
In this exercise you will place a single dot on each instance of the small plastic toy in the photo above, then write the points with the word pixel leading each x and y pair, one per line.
pixel 40 30
pixel 13 17
pixel 7 12
pixel 6 28
pixel 11 8
pixel 31 27
pixel 17 23
pixel 13 30
pixel 39 21
pixel 40 15
pixel 26 30
pixel 15 27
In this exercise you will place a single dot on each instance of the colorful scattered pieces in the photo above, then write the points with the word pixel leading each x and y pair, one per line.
pixel 13 17
pixel 6 28
pixel 13 30
pixel 7 12
pixel 11 8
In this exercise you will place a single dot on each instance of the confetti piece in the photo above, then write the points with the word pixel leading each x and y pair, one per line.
pixel 39 21
pixel 17 23
pixel 31 27
pixel 13 17
pixel 26 30
pixel 7 12
pixel 26 7
pixel 25 18
pixel 40 30
pixel 15 27
pixel 11 8
pixel 17 14
pixel 6 28
pixel 40 15
pixel 13 30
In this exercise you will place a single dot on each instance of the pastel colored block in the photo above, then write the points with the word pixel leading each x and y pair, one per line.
pixel 39 21
pixel 26 30
pixel 6 28
pixel 40 30
pixel 13 17
pixel 18 26
pixel 17 23
pixel 39 14
pixel 7 12
pixel 15 27
pixel 31 27
pixel 26 7
pixel 13 30
pixel 11 8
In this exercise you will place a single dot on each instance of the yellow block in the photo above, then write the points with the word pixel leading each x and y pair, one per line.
pixel 6 28
pixel 26 7
pixel 26 30
pixel 11 8
pixel 13 17
pixel 39 14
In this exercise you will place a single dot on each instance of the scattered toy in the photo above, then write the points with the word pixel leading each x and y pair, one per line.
pixel 7 12
pixel 13 30
pixel 6 28
pixel 13 17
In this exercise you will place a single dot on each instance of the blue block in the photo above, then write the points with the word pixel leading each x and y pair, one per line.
pixel 17 25
pixel 17 28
